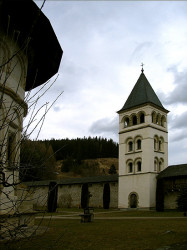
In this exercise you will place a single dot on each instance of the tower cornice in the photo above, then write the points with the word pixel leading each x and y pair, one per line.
pixel 142 126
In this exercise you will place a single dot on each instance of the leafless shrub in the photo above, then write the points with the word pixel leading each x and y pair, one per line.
pixel 16 199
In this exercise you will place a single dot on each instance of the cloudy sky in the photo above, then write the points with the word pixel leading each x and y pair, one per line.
pixel 104 43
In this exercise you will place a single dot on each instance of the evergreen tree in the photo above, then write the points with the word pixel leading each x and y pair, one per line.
pixel 37 161
pixel 112 169
pixel 67 165
pixel 84 148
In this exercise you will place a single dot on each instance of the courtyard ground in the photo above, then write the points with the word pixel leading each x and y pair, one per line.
pixel 111 229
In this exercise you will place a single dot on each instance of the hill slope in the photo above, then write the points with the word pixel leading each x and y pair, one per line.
pixel 89 167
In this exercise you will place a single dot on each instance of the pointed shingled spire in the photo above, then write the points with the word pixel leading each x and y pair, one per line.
pixel 142 93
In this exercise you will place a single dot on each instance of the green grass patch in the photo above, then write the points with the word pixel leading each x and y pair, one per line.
pixel 137 213
pixel 115 213
pixel 107 234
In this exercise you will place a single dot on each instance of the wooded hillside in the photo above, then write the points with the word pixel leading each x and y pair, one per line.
pixel 40 159
pixel 84 148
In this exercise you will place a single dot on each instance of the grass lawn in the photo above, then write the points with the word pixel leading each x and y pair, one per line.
pixel 99 212
pixel 108 234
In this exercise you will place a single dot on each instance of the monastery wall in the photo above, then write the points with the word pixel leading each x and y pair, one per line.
pixel 70 195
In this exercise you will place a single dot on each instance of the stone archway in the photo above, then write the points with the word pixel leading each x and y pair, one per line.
pixel 106 196
pixel 133 200
pixel 52 197
pixel 84 196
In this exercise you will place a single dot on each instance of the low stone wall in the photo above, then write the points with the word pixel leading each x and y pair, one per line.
pixel 40 197
pixel 170 200
pixel 69 196
pixel 70 192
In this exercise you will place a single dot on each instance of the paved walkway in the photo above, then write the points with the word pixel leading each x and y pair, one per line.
pixel 77 217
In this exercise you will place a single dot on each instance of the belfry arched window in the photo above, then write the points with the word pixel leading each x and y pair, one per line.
pixel 134 120
pixel 153 117
pixel 142 118
pixel 158 119
pixel 163 120
pixel 126 122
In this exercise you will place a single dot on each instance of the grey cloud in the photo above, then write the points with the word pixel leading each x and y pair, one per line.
pixel 179 121
pixel 179 94
pixel 56 108
pixel 105 126
pixel 170 120
pixel 178 135
pixel 177 127
pixel 177 152
pixel 140 50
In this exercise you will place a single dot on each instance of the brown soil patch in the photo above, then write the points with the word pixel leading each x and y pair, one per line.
pixel 104 165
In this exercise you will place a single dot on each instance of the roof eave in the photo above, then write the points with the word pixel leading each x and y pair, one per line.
pixel 142 105
pixel 44 50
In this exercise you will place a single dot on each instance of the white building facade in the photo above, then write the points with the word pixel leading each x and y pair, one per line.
pixel 25 36
pixel 12 110
pixel 143 146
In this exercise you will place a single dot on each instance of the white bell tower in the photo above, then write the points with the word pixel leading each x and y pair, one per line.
pixel 143 146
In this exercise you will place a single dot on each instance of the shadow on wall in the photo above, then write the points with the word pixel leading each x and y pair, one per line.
pixel 52 197
pixel 106 196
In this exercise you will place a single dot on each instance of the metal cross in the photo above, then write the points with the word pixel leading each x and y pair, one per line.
pixel 142 67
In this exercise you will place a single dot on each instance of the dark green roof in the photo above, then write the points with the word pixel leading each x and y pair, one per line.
pixel 173 171
pixel 71 181
pixel 142 93
pixel 44 51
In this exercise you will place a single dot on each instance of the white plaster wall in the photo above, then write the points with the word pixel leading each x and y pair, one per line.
pixel 147 152
pixel 143 184
pixel 12 84
pixel 14 72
